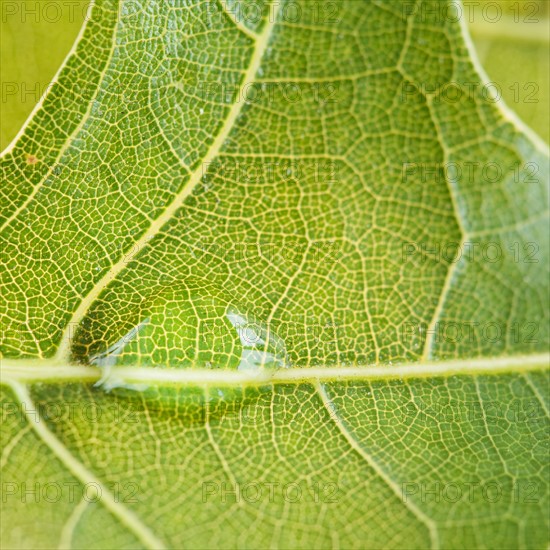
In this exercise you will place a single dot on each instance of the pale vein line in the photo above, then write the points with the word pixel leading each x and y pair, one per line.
pixel 63 351
pixel 289 285
pixel 365 295
pixel 126 517
pixel 218 451
pixel 54 80
pixel 327 79
pixel 234 18
pixel 427 521
pixel 537 394
pixel 486 426
pixel 451 272
pixel 168 141
pixel 407 41
pixel 13 443
pixel 65 542
pixel 507 113
pixel 291 156
pixel 56 372
pixel 68 143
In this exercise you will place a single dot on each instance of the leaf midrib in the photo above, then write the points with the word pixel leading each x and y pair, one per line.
pixel 29 371
pixel 135 524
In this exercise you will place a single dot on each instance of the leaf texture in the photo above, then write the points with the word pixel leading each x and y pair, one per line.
pixel 237 220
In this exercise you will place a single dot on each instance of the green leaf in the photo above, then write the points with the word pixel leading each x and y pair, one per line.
pixel 513 50
pixel 268 285
pixel 45 33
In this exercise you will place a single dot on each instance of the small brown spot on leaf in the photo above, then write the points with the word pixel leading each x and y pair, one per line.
pixel 31 159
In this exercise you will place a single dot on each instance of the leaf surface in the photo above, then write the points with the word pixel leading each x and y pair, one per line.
pixel 260 249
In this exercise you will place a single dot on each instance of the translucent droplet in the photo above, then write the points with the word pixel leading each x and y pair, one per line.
pixel 190 326
pixel 260 347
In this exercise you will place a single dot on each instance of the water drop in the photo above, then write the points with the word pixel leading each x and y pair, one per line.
pixel 189 325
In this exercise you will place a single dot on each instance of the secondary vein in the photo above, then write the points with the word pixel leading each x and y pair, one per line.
pixel 127 517
pixel 64 351
pixel 394 487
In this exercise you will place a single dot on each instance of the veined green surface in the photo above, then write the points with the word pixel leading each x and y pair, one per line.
pixel 512 42
pixel 239 267
pixel 35 38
